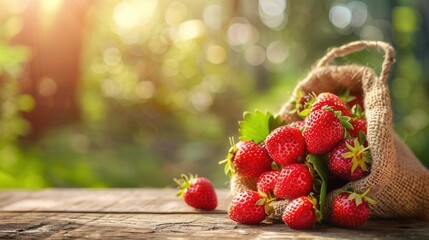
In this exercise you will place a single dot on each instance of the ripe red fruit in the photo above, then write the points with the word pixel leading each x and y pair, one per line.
pixel 358 121
pixel 247 159
pixel 295 180
pixel 333 101
pixel 198 192
pixel 349 160
pixel 301 213
pixel 285 145
pixel 267 181
pixel 248 208
pixel 323 130
pixel 350 209
pixel 359 124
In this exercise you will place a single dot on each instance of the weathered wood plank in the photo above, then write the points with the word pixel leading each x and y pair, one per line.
pixel 35 225
pixel 102 200
pixel 156 213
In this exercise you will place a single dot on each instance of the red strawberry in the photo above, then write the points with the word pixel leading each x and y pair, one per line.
pixel 350 209
pixel 359 124
pixel 247 159
pixel 349 160
pixel 323 130
pixel 331 100
pixel 285 145
pixel 295 180
pixel 267 181
pixel 198 192
pixel 301 213
pixel 248 208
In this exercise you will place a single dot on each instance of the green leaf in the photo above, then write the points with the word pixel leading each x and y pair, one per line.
pixel 260 202
pixel 275 122
pixel 304 113
pixel 257 125
pixel 319 165
pixel 361 137
pixel 322 170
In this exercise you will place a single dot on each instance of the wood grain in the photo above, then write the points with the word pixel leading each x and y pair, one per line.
pixel 137 226
pixel 157 214
pixel 103 200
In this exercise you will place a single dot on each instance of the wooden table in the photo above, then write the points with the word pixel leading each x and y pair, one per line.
pixel 156 213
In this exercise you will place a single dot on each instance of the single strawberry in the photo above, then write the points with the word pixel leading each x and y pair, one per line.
pixel 349 160
pixel 248 207
pixel 359 125
pixel 295 180
pixel 331 100
pixel 198 192
pixel 350 209
pixel 247 159
pixel 267 181
pixel 302 213
pixel 324 128
pixel 358 122
pixel 285 145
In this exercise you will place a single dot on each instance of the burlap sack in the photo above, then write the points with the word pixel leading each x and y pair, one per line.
pixel 398 181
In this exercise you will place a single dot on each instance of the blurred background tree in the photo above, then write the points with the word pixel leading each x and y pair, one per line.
pixel 132 93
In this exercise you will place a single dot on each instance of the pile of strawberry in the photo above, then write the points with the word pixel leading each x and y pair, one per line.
pixel 302 161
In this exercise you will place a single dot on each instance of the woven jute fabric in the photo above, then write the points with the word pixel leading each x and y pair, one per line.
pixel 398 181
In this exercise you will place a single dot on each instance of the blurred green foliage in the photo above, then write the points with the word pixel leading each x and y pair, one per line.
pixel 164 84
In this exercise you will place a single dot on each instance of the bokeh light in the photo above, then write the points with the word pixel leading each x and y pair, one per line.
pixel 130 93
pixel 340 16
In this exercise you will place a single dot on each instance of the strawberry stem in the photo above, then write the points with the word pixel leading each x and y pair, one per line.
pixel 184 183
pixel 359 154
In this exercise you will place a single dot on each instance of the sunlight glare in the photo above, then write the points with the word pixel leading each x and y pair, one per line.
pixel 130 14
pixel 191 29
pixel 49 9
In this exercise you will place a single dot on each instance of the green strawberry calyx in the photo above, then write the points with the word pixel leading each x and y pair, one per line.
pixel 357 112
pixel 228 161
pixel 346 97
pixel 344 120
pixel 265 201
pixel 359 198
pixel 306 107
pixel 184 183
pixel 359 154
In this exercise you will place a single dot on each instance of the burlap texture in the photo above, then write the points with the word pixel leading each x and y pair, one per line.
pixel 398 181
